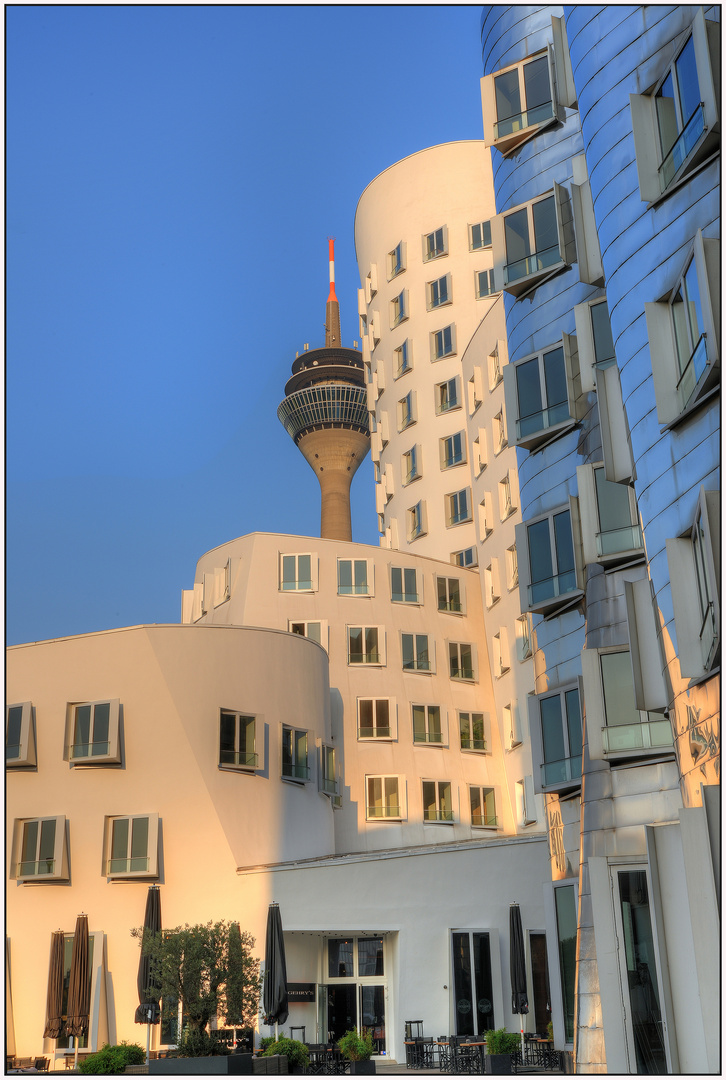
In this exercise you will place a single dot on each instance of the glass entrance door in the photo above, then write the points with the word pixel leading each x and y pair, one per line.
pixel 342 1010
pixel 355 990
pixel 373 1015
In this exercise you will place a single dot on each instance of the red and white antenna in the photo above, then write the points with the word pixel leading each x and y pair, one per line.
pixel 331 257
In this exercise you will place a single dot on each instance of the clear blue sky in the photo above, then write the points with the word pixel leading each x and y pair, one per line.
pixel 172 176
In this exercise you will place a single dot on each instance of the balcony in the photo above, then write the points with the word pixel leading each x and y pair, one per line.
pixel 540 592
pixel 542 420
pixel 649 735
pixel 532 264
pixel 617 541
pixel 525 119
pixel 557 773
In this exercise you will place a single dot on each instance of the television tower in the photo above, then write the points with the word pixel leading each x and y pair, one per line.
pixel 326 412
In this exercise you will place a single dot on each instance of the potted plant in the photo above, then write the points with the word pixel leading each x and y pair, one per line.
pixel 295 1052
pixel 358 1049
pixel 501 1044
pixel 550 1033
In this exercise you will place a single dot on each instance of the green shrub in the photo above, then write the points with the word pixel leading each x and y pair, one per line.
pixel 502 1041
pixel 112 1059
pixel 199 1043
pixel 266 1041
pixel 295 1052
pixel 355 1048
pixel 550 1032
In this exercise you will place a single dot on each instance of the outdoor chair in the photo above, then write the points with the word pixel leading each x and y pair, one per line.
pixel 42 1064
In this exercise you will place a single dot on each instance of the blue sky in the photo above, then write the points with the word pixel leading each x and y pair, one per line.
pixel 172 176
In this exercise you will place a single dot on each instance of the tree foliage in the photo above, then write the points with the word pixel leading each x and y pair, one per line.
pixel 112 1060
pixel 209 968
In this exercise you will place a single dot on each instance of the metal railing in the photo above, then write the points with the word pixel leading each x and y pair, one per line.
pixel 484 821
pixel 428 736
pixel 383 811
pixel 136 864
pixel 450 605
pixel 373 657
pixel 682 147
pixel 417 665
pixel 374 732
pixel 473 744
pixel 317 406
pixel 438 815
pixel 708 635
pixel 510 125
pixel 330 786
pixel 238 757
pixel 295 771
pixel 28 868
pixel 92 749
pixel 462 673
pixel 540 260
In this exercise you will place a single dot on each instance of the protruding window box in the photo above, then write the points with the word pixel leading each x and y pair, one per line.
pixel 92 733
pixel 237 741
pixel 131 846
pixel 20 748
pixel 427 728
pixel 294 754
pixel 40 850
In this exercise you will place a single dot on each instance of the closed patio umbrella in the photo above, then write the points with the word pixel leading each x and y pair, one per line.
pixel 79 990
pixel 274 994
pixel 54 1002
pixel 148 1011
pixel 517 969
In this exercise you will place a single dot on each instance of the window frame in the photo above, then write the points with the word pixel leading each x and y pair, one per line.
pixel 541 436
pixel 301 773
pixel 443 352
pixel 60 860
pixel 525 647
pixel 426 740
pixel 461 673
pixel 324 630
pixel 246 767
pixel 489 822
pixel 453 499
pixel 488 231
pixel 521 286
pixel 508 489
pixel 313 587
pixel 507 142
pixel 440 405
pixel 461 587
pixel 428 254
pixel 433 287
pixel 27 757
pixel 355 590
pixel 492 586
pixel 572 779
pixel 458 558
pixel 591 520
pixel 152 847
pixel 416 521
pixel 398 309
pixel 403 599
pixel 380 651
pixel 470 739
pixel 447 462
pixel 400 795
pixel 392 727
pixel 327 785
pixel 113 755
pixel 406 411
pixel 480 294
pixel 439 797
pixel 550 605
pixel 690 624
pixel 416 665
pixel 403 359
pixel 408 475
pixel 396 260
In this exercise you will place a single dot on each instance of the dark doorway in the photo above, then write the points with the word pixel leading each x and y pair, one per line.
pixel 541 1005
pixel 341 1010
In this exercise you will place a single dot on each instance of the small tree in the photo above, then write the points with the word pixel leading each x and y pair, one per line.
pixel 209 968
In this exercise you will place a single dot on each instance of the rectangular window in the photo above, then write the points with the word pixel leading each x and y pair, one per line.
pixel 626 727
pixel 435 244
pixel 329 774
pixel 512 568
pixel 566 913
pixel 466 557
pixel 20 748
pixel 415 652
pixel 689 332
pixel 237 734
pixel 448 591
pixel 427 724
pixel 402 359
pixel 507 504
pixel 484 283
pixel 458 507
pixel 486 515
pixel 524 636
pixel 533 241
pixel 480 236
pixel 500 653
pixel 452 450
pixel 523 97
pixel 399 308
pixel 354 578
pixel 396 260
pixel 499 433
pixel 561 726
pixel 416 521
pixel 438 292
pixel 406 411
pixel 539 394
pixel 471 731
pixel 495 365
pixel 473 995
pixel 92 729
pixel 410 465
pixel 551 554
pixel 316 631
pixel 296 573
pixel 404 585
pixel 131 846
pixel 363 645
pixel 447 396
pixel 680 114
pixel 383 801
pixel 492 588
pixel 619 530
pixel 374 718
pixel 295 754
pixel 461 661
pixel 442 343
pixel 37 851
pixel 437 800
pixel 483 807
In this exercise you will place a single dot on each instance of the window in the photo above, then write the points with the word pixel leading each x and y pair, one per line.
pixel 298 573
pixel 539 395
pixel 402 359
pixel 595 347
pixel 461 660
pixel 383 798
pixel 466 557
pixel 484 283
pixel 512 568
pixel 316 631
pixel 435 243
pixel 495 361
pixel 475 390
pixel 407 411
pixel 328 771
pixel 416 653
pixel 500 653
pixel 533 241
pixel 363 647
pixel 416 521
pixel 443 343
pixel 480 452
pixel 40 850
pixel 480 236
pixel 694 573
pixel 458 507
pixel 399 308
pixel 473 989
pixel 499 433
pixel 294 754
pixel 237 740
pixel 677 127
pixel 523 630
pixel 507 495
pixel 566 916
pixel 447 395
pixel 615 724
pixel 511 726
pixel 404 585
pixel 355 577
pixel 492 589
pixel 20 747
pixel 486 516
pixel 397 260
pixel 525 801
pixel 371 283
pixel 449 593
pixel 437 800
pixel 483 807
pixel 93 733
pixel 556 730
pixel 517 102
pixel 609 513
pixel 375 717
pixel 452 450
pixel 471 731
pixel 549 574
pixel 131 846
pixel 410 465
pixel 427 724
pixel 438 292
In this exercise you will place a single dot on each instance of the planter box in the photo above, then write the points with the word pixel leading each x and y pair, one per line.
pixel 363 1068
pixel 498 1064
pixel 234 1065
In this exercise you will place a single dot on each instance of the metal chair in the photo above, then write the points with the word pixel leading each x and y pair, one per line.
pixel 300 1028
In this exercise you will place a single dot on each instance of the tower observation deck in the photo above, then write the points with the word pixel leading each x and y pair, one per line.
pixel 326 412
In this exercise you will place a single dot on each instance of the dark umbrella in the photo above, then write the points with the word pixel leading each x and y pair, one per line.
pixel 54 1005
pixel 274 996
pixel 79 989
pixel 148 1011
pixel 517 968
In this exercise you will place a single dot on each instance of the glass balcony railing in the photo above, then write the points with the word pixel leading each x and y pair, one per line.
pixel 417 665
pixel 545 418
pixel 374 733
pixel 238 757
pixel 294 771
pixel 653 734
pixel 383 812
pixel 94 749
pixel 330 786
pixel 462 673
pixel 473 744
pixel 438 815
pixel 36 869
pixel 373 657
pixel 484 821
pixel 450 605
pixel 520 121
pixel 612 542
pixel 137 864
pixel 561 772
pixel 694 369
pixel 550 588
pixel 532 264
pixel 427 737
pixel 682 147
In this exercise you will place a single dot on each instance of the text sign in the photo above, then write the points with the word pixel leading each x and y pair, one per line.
pixel 301 991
